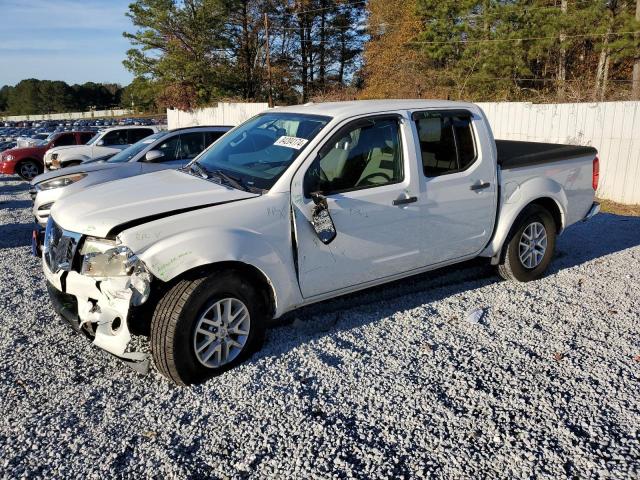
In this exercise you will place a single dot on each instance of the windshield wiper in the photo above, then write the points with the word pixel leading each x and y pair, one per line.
pixel 235 182
pixel 200 170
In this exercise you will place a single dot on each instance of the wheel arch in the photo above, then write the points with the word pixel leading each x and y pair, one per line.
pixel 543 192
pixel 249 272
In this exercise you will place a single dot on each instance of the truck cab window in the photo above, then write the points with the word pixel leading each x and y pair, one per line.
pixel 367 154
pixel 446 142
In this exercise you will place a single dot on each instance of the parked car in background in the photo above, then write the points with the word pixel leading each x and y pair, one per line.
pixel 162 150
pixel 7 145
pixel 110 140
pixel 298 205
pixel 28 162
pixel 34 139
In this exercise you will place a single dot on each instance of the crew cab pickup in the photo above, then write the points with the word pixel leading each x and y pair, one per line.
pixel 298 205
pixel 108 141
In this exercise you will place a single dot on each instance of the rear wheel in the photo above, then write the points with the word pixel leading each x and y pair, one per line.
pixel 530 246
pixel 28 169
pixel 204 326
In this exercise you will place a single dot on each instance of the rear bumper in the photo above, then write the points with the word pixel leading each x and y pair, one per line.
pixel 593 211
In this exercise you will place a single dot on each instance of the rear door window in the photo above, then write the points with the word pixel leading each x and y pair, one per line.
pixel 447 143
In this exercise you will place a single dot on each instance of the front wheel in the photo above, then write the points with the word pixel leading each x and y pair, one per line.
pixel 530 246
pixel 28 170
pixel 205 326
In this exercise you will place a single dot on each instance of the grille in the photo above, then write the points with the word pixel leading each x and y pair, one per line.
pixel 59 247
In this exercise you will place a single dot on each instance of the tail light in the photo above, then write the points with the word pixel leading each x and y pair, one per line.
pixel 596 174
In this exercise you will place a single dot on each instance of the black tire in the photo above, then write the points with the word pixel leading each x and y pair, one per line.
pixel 512 266
pixel 28 169
pixel 176 316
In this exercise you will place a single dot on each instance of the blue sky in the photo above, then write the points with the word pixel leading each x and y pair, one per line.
pixel 72 40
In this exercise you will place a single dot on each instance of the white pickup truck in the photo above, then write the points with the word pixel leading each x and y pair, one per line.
pixel 298 205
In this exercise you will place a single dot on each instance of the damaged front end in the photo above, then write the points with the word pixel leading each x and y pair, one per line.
pixel 94 284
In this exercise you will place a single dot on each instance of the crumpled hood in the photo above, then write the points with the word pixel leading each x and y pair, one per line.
pixel 97 210
pixel 82 168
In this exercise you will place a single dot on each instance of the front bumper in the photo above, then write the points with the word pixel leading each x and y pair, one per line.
pixel 100 308
pixel 8 168
pixel 593 211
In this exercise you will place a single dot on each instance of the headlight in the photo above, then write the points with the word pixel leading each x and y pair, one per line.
pixel 102 258
pixel 9 158
pixel 60 181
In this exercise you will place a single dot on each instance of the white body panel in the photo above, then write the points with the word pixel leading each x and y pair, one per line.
pixel 83 153
pixel 175 222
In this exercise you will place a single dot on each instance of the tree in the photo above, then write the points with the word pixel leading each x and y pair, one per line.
pixel 184 46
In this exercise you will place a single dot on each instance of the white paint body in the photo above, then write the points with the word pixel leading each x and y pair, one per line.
pixel 376 242
pixel 83 153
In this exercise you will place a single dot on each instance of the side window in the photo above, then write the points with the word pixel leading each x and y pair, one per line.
pixel 366 154
pixel 446 142
pixel 191 144
pixel 136 134
pixel 115 137
pixel 64 140
pixel 170 148
pixel 85 137
pixel 211 137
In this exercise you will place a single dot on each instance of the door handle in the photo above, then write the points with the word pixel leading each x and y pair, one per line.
pixel 404 201
pixel 480 186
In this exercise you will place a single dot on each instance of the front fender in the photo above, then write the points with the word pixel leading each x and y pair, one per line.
pixel 170 257
pixel 515 197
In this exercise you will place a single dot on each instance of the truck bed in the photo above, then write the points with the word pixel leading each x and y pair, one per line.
pixel 514 154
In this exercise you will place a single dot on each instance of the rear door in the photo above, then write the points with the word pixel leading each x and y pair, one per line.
pixel 458 191
pixel 366 171
pixel 136 134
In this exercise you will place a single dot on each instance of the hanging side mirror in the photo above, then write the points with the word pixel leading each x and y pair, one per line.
pixel 321 219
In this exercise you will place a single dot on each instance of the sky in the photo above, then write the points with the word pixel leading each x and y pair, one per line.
pixel 75 41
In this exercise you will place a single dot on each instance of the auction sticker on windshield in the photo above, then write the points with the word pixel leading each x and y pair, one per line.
pixel 291 142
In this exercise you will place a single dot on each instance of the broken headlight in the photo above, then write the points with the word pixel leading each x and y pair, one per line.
pixel 63 181
pixel 102 258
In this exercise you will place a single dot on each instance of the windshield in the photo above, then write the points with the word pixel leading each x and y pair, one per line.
pixel 94 139
pixel 261 149
pixel 133 150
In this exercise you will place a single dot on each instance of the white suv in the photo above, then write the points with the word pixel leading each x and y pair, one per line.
pixel 105 142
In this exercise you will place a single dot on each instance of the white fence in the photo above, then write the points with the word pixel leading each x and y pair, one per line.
pixel 612 127
pixel 230 114
pixel 69 116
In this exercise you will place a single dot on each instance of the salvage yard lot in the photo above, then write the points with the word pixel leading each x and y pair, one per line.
pixel 393 381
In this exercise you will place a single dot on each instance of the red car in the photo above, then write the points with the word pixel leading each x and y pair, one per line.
pixel 28 162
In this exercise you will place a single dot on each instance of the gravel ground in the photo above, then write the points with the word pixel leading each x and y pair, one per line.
pixel 392 382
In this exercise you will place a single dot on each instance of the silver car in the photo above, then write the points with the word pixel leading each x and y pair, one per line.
pixel 162 150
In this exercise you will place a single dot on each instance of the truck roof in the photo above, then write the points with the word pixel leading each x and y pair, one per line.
pixel 363 107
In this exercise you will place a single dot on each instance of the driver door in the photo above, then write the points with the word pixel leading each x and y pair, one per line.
pixel 368 177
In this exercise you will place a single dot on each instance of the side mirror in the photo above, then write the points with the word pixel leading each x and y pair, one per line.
pixel 153 155
pixel 100 143
pixel 321 219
